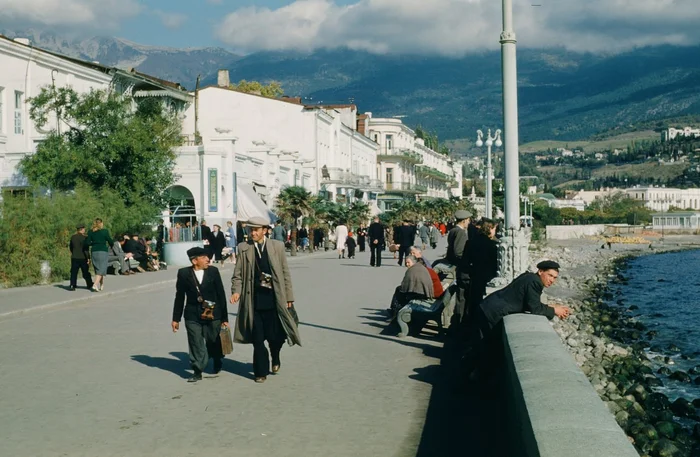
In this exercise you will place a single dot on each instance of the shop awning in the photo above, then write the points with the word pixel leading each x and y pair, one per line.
pixel 250 204
pixel 374 209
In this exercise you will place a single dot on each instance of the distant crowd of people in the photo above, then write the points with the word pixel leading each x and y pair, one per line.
pixel 128 254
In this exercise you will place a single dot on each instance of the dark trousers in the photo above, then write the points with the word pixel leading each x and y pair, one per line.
pixel 82 265
pixel 375 257
pixel 403 252
pixel 461 304
pixel 351 252
pixel 266 326
pixel 204 342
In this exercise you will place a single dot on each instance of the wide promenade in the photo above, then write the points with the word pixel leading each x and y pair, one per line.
pixel 105 376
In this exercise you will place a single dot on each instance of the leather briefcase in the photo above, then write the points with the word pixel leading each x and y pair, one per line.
pixel 226 340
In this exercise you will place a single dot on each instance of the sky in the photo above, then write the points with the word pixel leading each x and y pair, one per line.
pixel 426 27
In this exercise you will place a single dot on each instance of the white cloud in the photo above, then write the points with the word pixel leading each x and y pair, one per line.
pixel 102 14
pixel 170 20
pixel 456 27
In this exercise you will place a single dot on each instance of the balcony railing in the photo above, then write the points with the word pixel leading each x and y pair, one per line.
pixel 399 154
pixel 431 172
pixel 335 175
pixel 405 187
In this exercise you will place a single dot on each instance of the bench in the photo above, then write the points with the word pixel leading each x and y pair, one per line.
pixel 419 312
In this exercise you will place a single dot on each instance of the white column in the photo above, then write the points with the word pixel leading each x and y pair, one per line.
pixel 510 117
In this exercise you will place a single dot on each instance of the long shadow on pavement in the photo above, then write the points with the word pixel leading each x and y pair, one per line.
pixel 463 419
pixel 179 365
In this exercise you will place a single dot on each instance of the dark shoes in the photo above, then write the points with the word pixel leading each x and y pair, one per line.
pixel 71 288
pixel 260 379
pixel 195 377
pixel 276 368
pixel 218 364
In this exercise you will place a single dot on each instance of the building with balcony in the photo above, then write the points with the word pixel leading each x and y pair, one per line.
pixel 411 170
pixel 251 147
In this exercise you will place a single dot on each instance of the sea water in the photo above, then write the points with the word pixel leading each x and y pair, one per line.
pixel 666 290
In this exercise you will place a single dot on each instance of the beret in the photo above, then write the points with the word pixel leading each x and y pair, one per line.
pixel 548 265
pixel 196 252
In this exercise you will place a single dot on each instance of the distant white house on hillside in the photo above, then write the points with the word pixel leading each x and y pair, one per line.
pixel 673 133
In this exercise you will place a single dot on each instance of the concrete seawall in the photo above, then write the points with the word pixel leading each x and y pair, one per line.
pixel 554 411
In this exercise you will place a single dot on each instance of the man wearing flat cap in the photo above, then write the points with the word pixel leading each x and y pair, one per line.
pixel 456 241
pixel 523 295
pixel 262 287
pixel 200 293
pixel 520 296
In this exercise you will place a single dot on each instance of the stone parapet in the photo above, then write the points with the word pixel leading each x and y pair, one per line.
pixel 554 410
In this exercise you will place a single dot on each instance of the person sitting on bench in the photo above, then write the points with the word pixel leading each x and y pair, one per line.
pixel 137 251
pixel 416 285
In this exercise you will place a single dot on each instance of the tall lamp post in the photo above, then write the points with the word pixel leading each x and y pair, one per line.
pixel 490 141
pixel 510 117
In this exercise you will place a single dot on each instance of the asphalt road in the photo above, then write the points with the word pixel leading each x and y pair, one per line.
pixel 106 377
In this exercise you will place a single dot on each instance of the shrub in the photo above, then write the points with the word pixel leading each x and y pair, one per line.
pixel 38 227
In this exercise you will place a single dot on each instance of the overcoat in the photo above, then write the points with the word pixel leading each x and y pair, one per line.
pixel 242 283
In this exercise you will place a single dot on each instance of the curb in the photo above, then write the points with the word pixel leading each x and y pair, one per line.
pixel 20 312
pixel 154 285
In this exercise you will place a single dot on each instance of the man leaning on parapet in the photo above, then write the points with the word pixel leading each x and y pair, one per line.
pixel 520 296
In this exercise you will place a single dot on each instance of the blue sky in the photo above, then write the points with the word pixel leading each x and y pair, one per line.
pixel 426 27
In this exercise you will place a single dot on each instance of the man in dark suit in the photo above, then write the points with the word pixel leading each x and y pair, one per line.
pixel 200 293
pixel 407 235
pixel 137 251
pixel 376 242
pixel 80 258
pixel 206 238
pixel 456 241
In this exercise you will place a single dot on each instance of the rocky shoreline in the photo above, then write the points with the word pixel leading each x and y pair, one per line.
pixel 609 344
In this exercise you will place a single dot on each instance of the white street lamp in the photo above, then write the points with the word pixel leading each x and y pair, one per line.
pixel 490 141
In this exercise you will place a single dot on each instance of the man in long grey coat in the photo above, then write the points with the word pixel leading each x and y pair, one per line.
pixel 262 285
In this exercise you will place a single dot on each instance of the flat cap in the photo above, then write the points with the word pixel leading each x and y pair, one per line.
pixel 257 221
pixel 462 214
pixel 195 252
pixel 80 226
pixel 548 265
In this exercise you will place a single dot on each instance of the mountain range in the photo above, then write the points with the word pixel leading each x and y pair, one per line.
pixel 562 95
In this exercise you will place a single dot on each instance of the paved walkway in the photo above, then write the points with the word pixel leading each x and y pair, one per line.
pixel 105 376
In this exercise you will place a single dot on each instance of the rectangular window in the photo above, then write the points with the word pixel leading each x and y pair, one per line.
pixel 389 175
pixel 389 142
pixel 18 113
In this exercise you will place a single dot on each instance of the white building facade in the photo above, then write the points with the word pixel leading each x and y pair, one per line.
pixel 411 170
pixel 673 133
pixel 244 149
pixel 662 198
pixel 25 70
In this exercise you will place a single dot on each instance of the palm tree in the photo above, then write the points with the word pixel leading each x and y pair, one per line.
pixel 358 213
pixel 292 203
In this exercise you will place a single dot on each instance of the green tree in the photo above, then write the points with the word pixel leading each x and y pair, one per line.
pixel 105 140
pixel 358 213
pixel 271 90
pixel 293 203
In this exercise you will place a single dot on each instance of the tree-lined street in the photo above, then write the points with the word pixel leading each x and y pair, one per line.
pixel 106 377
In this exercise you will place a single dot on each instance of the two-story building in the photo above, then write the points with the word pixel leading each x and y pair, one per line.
pixel 663 198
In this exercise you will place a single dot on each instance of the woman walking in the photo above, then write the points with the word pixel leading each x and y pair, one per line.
pixel 341 234
pixel 217 243
pixel 231 241
pixel 99 240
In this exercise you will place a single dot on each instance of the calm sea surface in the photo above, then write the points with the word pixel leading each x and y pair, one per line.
pixel 666 288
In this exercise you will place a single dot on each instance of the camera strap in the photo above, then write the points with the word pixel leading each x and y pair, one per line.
pixel 200 298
